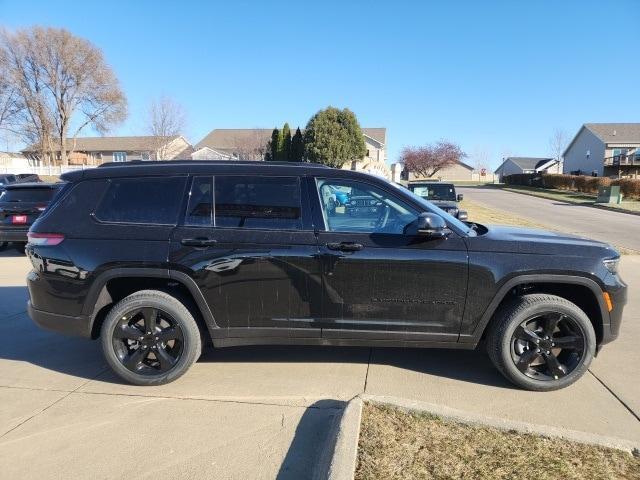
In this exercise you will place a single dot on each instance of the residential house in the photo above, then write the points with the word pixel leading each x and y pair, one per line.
pixel 514 165
pixel 97 150
pixel 458 172
pixel 251 144
pixel 13 160
pixel 605 149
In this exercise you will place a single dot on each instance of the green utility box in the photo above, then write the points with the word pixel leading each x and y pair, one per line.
pixel 609 194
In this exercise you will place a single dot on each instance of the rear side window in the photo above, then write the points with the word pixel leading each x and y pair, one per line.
pixel 25 195
pixel 257 202
pixel 200 207
pixel 142 200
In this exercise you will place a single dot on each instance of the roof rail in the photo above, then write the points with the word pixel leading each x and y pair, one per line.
pixel 213 162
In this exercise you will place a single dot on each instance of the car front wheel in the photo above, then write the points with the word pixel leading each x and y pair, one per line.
pixel 541 342
pixel 150 338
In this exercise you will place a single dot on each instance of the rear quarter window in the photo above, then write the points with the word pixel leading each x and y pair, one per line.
pixel 151 200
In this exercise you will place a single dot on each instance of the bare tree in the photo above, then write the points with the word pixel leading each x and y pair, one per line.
pixel 63 84
pixel 428 160
pixel 166 118
pixel 558 143
pixel 253 146
pixel 481 159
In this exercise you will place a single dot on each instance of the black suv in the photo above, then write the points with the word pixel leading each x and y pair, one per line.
pixel 442 195
pixel 20 205
pixel 155 258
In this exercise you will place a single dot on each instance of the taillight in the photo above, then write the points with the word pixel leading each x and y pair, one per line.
pixel 45 238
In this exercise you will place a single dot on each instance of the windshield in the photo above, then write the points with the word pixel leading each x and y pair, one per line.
pixel 434 191
pixel 28 195
pixel 430 207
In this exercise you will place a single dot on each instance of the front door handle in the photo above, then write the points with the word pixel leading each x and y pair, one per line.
pixel 344 246
pixel 198 242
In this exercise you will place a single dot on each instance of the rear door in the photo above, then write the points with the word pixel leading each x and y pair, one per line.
pixel 249 244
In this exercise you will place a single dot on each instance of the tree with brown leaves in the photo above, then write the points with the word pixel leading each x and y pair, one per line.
pixel 428 160
pixel 63 84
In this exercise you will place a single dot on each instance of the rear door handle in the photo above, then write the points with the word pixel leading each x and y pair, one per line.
pixel 198 242
pixel 344 246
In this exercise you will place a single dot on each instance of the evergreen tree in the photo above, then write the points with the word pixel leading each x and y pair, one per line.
pixel 280 147
pixel 273 145
pixel 297 147
pixel 333 137
pixel 286 143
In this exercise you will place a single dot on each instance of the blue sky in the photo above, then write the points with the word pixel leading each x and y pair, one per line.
pixel 494 76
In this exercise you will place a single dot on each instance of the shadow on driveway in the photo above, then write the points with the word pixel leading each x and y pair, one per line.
pixel 310 452
pixel 83 358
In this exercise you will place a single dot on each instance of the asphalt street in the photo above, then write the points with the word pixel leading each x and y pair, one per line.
pixel 620 229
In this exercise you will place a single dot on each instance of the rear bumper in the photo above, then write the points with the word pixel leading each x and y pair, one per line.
pixel 14 235
pixel 75 326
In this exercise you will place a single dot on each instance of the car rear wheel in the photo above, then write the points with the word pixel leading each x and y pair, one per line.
pixel 541 342
pixel 150 338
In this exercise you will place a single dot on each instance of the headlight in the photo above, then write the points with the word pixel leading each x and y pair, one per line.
pixel 611 264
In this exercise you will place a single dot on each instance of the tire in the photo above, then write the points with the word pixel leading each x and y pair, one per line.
pixel 521 348
pixel 3 245
pixel 20 246
pixel 128 338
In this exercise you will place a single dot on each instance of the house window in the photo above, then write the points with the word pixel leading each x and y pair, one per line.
pixel 119 156
pixel 367 153
pixel 146 156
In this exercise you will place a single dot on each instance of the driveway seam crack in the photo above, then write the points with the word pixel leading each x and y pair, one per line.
pixel 622 402
pixel 366 376
pixel 50 405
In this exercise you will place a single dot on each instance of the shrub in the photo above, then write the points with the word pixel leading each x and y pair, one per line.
pixel 629 187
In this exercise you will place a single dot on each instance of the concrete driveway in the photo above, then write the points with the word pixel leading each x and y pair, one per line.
pixel 257 412
pixel 621 229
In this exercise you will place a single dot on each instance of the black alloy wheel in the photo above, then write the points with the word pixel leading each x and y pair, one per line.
pixel 148 341
pixel 548 346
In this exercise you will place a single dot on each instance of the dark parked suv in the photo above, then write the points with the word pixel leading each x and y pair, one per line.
pixel 20 205
pixel 442 195
pixel 156 258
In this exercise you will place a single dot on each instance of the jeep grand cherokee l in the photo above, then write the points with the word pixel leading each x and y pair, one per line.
pixel 155 258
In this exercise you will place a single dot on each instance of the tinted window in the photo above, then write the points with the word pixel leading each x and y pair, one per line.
pixel 257 202
pixel 142 200
pixel 352 206
pixel 28 195
pixel 200 208
pixel 434 191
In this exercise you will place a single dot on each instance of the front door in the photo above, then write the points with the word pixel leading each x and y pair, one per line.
pixel 247 242
pixel 381 279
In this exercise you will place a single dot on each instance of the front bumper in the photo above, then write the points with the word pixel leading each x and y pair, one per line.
pixel 68 325
pixel 617 290
pixel 13 235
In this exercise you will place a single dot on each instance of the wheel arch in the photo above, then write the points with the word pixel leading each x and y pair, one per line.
pixel 584 292
pixel 102 294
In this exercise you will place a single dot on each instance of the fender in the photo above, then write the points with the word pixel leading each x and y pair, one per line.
pixel 475 336
pixel 98 297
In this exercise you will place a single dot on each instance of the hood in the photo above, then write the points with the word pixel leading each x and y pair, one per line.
pixel 444 203
pixel 541 242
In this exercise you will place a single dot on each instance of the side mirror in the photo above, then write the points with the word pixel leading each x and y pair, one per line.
pixel 460 197
pixel 431 225
pixel 462 215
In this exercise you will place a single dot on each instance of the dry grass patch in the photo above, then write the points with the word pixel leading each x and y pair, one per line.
pixel 395 444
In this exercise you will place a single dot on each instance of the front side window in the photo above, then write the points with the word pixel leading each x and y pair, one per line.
pixel 142 200
pixel 358 207
pixel 257 202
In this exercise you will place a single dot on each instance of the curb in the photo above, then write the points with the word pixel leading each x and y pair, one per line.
pixel 344 458
pixel 345 453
